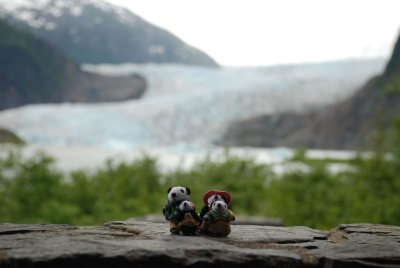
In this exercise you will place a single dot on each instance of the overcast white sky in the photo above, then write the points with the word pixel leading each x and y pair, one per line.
pixel 266 32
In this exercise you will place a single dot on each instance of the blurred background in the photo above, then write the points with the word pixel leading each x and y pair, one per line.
pixel 291 106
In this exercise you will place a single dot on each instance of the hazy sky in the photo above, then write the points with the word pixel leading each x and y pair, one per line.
pixel 265 32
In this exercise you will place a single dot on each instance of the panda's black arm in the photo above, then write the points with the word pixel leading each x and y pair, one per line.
pixel 180 216
pixel 203 212
pixel 195 215
pixel 165 213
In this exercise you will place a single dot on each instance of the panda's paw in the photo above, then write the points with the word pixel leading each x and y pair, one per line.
pixel 202 231
pixel 188 230
pixel 175 231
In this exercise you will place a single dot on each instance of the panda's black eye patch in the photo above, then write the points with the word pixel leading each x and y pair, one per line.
pixel 182 191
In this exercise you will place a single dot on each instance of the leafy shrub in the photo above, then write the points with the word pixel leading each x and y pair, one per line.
pixel 32 190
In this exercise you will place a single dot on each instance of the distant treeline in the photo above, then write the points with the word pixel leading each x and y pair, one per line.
pixel 32 190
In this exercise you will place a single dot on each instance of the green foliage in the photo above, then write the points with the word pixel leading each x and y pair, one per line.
pixel 393 87
pixel 368 191
pixel 25 187
pixel 33 190
pixel 315 198
pixel 245 179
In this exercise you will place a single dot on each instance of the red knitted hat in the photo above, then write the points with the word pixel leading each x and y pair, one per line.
pixel 225 195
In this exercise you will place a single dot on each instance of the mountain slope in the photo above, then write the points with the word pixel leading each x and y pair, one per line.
pixel 93 31
pixel 32 71
pixel 346 125
pixel 7 136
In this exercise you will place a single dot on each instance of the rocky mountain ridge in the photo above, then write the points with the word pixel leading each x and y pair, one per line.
pixel 32 71
pixel 92 31
pixel 348 124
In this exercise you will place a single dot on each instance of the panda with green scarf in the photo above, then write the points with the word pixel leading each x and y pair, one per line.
pixel 216 216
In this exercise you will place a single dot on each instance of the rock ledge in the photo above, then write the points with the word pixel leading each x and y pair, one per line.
pixel 146 244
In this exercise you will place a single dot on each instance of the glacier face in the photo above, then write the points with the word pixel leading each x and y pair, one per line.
pixel 187 105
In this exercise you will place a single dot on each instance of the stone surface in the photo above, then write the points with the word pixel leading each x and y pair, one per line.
pixel 241 220
pixel 149 244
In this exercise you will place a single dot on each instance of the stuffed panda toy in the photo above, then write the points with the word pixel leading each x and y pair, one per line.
pixel 188 219
pixel 175 196
pixel 216 222
pixel 212 196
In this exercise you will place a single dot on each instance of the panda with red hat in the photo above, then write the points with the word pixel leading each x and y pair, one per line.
pixel 210 197
pixel 215 215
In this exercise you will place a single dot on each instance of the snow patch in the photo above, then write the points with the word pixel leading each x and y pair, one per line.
pixel 125 16
pixel 29 10
pixel 37 23
pixel 26 15
pixel 54 11
pixel 50 25
pixel 156 50
pixel 76 11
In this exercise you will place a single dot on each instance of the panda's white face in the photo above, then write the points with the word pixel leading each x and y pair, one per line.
pixel 219 206
pixel 178 193
pixel 214 198
pixel 186 206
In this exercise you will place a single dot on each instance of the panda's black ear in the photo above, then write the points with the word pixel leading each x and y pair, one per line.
pixel 169 189
pixel 188 191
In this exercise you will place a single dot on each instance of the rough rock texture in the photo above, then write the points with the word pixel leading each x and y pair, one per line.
pixel 241 220
pixel 145 244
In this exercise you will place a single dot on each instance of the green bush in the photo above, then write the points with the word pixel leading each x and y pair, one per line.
pixel 369 191
pixel 315 198
pixel 32 190
pixel 26 185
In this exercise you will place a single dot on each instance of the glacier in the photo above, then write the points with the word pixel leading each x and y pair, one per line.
pixel 183 112
pixel 187 106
